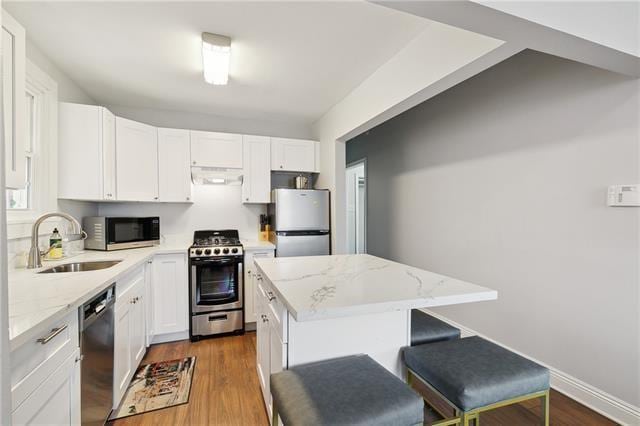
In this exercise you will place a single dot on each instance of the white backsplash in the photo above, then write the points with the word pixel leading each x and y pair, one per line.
pixel 214 207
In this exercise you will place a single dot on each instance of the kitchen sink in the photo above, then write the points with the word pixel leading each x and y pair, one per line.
pixel 81 266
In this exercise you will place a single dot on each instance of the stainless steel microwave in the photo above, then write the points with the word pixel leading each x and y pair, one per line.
pixel 117 233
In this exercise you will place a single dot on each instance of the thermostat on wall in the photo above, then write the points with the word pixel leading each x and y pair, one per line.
pixel 624 196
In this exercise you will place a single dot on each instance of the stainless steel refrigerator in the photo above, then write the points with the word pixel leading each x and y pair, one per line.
pixel 300 222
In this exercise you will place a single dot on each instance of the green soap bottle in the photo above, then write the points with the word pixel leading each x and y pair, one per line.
pixel 55 245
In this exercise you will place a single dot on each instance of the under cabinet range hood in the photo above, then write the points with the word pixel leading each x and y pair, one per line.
pixel 216 176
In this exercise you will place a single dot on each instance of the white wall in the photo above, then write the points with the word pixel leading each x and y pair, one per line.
pixel 214 207
pixel 438 58
pixel 209 122
pixel 501 181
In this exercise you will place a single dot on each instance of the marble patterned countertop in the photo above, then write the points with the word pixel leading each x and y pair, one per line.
pixel 39 300
pixel 322 287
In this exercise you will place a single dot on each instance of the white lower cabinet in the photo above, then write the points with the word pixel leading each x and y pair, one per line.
pixel 45 376
pixel 170 297
pixel 129 331
pixel 56 401
pixel 271 348
pixel 250 254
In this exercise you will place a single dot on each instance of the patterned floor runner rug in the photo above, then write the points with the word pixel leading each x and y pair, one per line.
pixel 156 386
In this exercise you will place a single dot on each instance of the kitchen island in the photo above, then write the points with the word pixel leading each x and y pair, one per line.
pixel 319 307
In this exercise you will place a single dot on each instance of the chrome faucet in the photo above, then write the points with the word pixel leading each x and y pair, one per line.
pixel 35 255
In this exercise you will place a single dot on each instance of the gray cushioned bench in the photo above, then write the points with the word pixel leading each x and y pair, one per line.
pixel 428 329
pixel 475 375
pixel 352 390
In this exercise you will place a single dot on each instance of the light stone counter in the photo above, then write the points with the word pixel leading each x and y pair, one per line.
pixel 324 287
pixel 36 300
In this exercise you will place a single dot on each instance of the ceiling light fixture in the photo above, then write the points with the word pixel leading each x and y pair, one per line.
pixel 216 50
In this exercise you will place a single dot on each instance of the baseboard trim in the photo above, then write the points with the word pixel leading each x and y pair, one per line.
pixel 590 396
pixel 170 337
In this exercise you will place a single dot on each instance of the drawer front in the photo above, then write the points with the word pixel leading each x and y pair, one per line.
pixel 34 361
pixel 216 322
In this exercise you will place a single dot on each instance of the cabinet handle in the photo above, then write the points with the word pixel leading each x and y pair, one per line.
pixel 280 166
pixel 155 198
pixel 54 333
pixel 194 162
pixel 271 296
pixel 188 198
pixel 264 318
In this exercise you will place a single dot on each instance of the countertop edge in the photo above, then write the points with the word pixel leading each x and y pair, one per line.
pixel 20 339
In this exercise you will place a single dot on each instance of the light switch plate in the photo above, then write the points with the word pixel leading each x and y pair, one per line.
pixel 624 195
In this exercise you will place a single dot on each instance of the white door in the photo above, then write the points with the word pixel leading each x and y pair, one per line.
pixel 138 329
pixel 295 155
pixel 212 149
pixel 256 181
pixel 136 161
pixel 109 154
pixel 13 101
pixel 171 294
pixel 122 348
pixel 174 170
pixel 356 191
pixel 56 401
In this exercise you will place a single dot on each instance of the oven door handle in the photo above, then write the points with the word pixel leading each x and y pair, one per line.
pixel 215 261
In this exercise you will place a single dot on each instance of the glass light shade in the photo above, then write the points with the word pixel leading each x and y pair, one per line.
pixel 215 63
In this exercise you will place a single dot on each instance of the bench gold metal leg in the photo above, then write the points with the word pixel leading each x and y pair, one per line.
pixel 545 409
pixel 274 414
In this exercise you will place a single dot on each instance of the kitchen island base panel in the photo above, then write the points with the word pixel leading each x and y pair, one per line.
pixel 380 335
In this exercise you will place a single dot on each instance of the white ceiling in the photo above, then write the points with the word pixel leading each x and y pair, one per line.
pixel 290 60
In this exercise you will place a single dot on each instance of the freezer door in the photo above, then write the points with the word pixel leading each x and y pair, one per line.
pixel 301 210
pixel 302 245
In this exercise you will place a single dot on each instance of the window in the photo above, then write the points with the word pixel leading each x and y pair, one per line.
pixel 41 134
pixel 20 199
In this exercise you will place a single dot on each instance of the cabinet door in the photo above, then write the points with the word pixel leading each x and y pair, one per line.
pixel 137 325
pixel 108 154
pixel 81 152
pixel 122 368
pixel 170 294
pixel 149 307
pixel 174 170
pixel 13 101
pixel 136 161
pixel 249 289
pixel 256 158
pixel 263 341
pixel 212 149
pixel 57 400
pixel 294 155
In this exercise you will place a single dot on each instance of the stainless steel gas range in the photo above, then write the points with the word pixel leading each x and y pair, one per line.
pixel 216 289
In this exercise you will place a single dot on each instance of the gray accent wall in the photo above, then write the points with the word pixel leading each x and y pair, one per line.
pixel 501 181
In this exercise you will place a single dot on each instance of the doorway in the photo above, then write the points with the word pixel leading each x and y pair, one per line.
pixel 356 182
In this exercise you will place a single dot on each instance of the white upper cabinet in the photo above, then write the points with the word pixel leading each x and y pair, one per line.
pixel 256 181
pixel 136 161
pixel 87 148
pixel 174 173
pixel 13 101
pixel 293 155
pixel 212 149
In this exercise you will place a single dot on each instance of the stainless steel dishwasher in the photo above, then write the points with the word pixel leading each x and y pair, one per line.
pixel 96 345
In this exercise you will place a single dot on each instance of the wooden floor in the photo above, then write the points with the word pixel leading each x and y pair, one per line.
pixel 225 391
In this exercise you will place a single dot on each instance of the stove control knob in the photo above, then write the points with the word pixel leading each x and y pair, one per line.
pixel 225 250
pixel 207 252
pixel 234 250
pixel 198 252
pixel 216 251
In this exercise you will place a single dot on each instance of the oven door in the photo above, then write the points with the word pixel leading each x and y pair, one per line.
pixel 216 284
